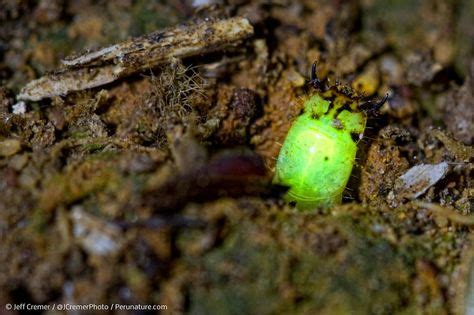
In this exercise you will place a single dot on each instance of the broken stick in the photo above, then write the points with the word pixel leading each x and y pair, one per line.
pixel 106 65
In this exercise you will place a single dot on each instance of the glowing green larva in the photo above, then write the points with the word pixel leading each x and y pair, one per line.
pixel 318 154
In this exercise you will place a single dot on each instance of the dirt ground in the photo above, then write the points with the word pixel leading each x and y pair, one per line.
pixel 157 188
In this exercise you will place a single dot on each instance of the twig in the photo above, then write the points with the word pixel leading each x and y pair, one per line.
pixel 120 60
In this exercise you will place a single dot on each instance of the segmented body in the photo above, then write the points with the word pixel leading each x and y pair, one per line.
pixel 318 154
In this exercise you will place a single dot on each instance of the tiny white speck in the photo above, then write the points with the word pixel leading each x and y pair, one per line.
pixel 312 150
pixel 19 108
pixel 198 3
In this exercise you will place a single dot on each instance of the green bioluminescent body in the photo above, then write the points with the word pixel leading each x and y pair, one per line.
pixel 318 154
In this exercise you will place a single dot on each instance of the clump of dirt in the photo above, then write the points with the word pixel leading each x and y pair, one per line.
pixel 457 109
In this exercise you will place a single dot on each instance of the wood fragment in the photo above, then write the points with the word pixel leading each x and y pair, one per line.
pixel 108 64
pixel 416 181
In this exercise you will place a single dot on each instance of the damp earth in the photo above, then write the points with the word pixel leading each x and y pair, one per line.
pixel 142 173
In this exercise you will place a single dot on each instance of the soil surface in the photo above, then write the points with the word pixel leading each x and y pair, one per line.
pixel 156 188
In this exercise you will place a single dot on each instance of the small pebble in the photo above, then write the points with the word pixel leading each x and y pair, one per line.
pixel 9 147
pixel 19 108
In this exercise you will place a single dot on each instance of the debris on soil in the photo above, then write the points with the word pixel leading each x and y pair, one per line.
pixel 19 108
pixel 242 109
pixel 384 164
pixel 459 150
pixel 227 174
pixel 156 188
pixel 97 237
pixel 106 65
pixel 421 69
pixel 9 147
pixel 450 214
pixel 418 179
pixel 458 110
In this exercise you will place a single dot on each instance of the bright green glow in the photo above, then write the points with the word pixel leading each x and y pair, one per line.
pixel 317 156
